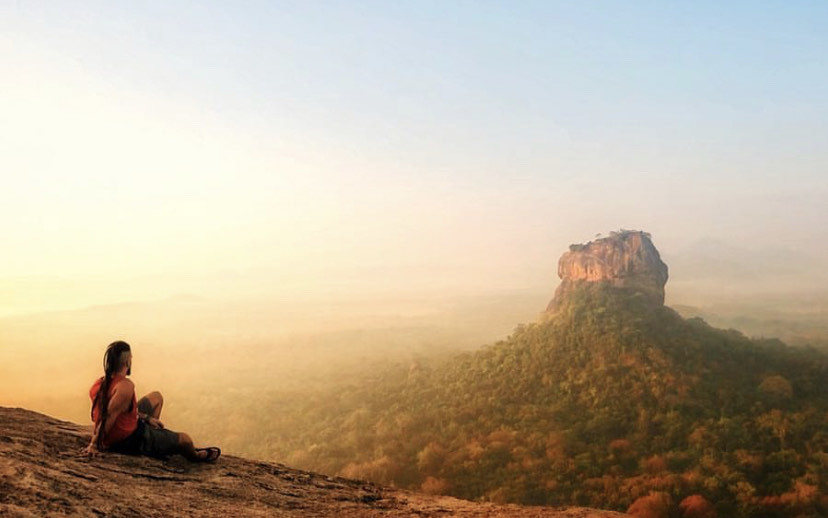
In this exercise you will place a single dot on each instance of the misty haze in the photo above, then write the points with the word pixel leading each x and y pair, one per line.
pixel 542 254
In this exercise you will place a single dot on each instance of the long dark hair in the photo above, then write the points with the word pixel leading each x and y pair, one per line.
pixel 111 362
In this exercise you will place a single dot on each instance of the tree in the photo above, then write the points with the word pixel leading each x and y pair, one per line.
pixel 776 390
pixel 776 422
pixel 435 486
pixel 697 506
pixel 430 459
pixel 654 505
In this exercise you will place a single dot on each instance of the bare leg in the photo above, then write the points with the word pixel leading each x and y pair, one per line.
pixel 152 404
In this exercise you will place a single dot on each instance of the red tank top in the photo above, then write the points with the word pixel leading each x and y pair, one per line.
pixel 125 423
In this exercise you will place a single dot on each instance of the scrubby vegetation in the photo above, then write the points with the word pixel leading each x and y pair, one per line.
pixel 612 403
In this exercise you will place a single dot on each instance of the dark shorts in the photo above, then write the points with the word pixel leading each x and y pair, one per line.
pixel 149 441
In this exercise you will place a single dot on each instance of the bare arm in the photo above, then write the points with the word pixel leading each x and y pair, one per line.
pixel 118 404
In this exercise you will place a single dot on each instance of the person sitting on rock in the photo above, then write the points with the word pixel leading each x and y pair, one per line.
pixel 125 425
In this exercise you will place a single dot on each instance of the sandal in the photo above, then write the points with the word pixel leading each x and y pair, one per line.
pixel 213 454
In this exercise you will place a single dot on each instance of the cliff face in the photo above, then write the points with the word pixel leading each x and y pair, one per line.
pixel 626 259
pixel 41 473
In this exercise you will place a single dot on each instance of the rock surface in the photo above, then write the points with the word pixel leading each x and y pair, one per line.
pixel 42 474
pixel 626 259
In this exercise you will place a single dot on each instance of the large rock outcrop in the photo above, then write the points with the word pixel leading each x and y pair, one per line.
pixel 626 259
pixel 41 474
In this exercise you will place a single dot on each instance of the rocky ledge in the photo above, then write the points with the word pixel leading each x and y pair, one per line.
pixel 625 259
pixel 42 474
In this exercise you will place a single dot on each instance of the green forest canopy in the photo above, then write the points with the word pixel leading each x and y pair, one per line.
pixel 612 403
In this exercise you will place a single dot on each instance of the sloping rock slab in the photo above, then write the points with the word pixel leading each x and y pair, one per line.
pixel 43 474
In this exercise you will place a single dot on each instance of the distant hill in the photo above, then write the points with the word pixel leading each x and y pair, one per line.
pixel 770 318
pixel 612 400
pixel 203 351
pixel 41 474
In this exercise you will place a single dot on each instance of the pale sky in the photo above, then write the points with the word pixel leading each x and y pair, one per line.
pixel 148 146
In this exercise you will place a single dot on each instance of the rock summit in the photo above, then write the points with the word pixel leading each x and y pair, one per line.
pixel 625 259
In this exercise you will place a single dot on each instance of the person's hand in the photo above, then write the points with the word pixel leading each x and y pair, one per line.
pixel 90 451
pixel 155 423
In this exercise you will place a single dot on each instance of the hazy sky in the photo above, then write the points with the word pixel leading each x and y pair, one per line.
pixel 448 144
